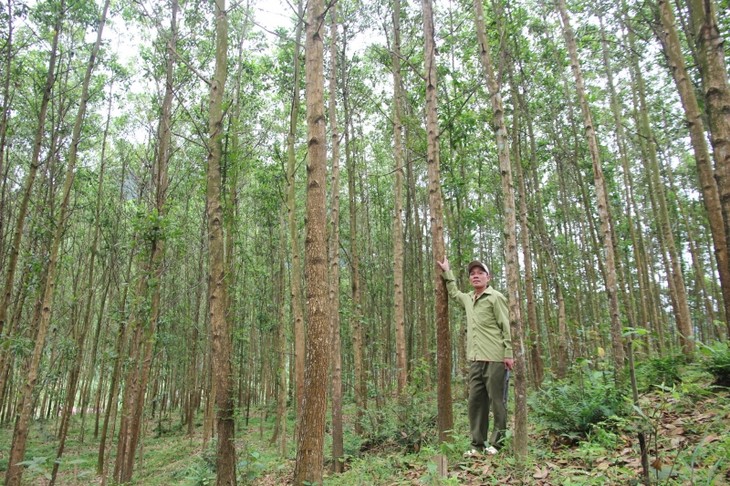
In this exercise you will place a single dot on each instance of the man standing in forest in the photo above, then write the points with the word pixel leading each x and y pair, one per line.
pixel 489 352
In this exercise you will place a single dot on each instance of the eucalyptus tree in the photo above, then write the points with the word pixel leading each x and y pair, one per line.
pixel 218 292
pixel 606 229
pixel 80 334
pixel 338 451
pixel 510 231
pixel 657 191
pixel 33 167
pixel 41 319
pixel 144 318
pixel 398 297
pixel 445 419
pixel 310 441
pixel 695 125
pixel 296 272
pixel 356 319
pixel 716 91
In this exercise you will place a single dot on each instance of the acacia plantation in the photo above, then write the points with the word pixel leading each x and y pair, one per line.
pixel 220 224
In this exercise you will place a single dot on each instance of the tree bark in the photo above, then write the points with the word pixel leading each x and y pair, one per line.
pixel 716 91
pixel 310 451
pixel 710 194
pixel 445 419
pixel 338 449
pixel 296 265
pixel 218 281
pixel 619 355
pixel 398 298
pixel 510 234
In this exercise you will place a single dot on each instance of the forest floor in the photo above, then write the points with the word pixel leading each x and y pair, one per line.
pixel 687 429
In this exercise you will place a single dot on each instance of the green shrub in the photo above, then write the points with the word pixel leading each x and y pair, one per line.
pixel 570 409
pixel 659 372
pixel 405 423
pixel 717 362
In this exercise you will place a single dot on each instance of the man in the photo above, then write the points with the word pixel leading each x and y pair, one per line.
pixel 489 352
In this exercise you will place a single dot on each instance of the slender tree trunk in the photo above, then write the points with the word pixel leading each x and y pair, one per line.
pixel 445 419
pixel 510 233
pixel 81 334
pixel 358 338
pixel 32 173
pixel 143 335
pixel 193 367
pixel 674 267
pixel 535 340
pixel 218 292
pixel 716 90
pixel 296 272
pixel 310 450
pixel 7 98
pixel 710 194
pixel 280 432
pixel 398 298
pixel 338 448
pixel 619 354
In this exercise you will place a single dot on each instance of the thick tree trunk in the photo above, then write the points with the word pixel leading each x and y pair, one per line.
pixel 310 451
pixel 445 419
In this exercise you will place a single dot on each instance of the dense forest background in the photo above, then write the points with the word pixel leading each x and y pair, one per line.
pixel 214 216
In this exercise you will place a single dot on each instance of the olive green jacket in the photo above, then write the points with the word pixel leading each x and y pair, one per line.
pixel 488 335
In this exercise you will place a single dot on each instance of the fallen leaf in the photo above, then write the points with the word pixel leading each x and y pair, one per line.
pixel 541 473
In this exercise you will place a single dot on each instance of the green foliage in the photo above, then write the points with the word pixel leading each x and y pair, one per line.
pixel 251 467
pixel 659 372
pixel 405 423
pixel 717 362
pixel 571 409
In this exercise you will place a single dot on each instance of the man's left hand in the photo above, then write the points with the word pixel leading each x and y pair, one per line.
pixel 509 363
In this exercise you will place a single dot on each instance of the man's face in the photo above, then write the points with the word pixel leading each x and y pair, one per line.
pixel 479 278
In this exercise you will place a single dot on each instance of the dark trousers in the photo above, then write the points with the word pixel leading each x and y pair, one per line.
pixel 487 391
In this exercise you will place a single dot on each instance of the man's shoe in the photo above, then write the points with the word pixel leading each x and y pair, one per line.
pixel 491 450
pixel 472 453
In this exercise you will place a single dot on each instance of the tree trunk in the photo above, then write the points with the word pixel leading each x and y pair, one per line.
pixel 619 354
pixel 338 448
pixel 80 336
pixel 218 292
pixel 445 419
pixel 510 234
pixel 358 338
pixel 674 267
pixel 310 451
pixel 32 173
pixel 713 70
pixel 143 335
pixel 296 272
pixel 710 194
pixel 398 299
